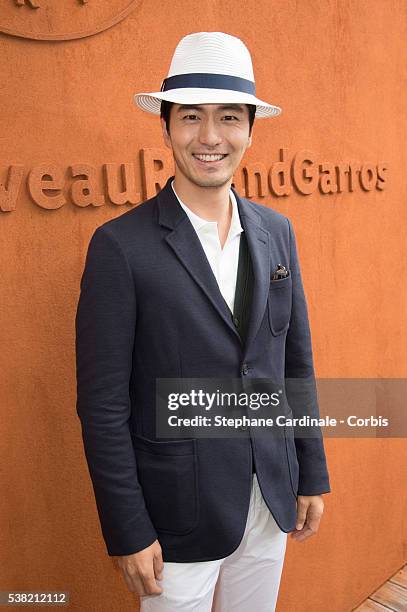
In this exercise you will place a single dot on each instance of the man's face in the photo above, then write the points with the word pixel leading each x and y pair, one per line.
pixel 208 141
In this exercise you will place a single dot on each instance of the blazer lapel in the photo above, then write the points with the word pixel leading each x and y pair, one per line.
pixel 258 240
pixel 185 243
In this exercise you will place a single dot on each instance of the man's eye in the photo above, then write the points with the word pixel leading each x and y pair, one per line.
pixel 230 117
pixel 190 117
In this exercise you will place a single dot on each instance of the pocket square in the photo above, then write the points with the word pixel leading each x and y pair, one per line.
pixel 280 272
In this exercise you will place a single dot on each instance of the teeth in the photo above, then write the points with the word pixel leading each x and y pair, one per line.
pixel 209 158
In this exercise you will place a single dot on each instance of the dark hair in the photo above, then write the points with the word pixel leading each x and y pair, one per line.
pixel 166 106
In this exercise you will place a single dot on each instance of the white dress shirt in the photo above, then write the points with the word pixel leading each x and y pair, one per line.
pixel 224 262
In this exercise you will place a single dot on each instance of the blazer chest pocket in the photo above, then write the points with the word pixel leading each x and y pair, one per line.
pixel 279 304
pixel 167 472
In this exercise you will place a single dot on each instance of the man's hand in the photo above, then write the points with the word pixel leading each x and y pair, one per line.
pixel 309 513
pixel 142 569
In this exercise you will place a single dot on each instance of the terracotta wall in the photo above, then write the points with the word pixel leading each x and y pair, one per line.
pixel 338 70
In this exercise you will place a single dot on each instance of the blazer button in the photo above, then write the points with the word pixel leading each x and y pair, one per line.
pixel 245 368
pixel 243 427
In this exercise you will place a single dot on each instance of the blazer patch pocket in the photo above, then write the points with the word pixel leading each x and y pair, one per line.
pixel 279 304
pixel 167 472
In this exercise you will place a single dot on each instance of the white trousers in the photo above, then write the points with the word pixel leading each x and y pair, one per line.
pixel 244 581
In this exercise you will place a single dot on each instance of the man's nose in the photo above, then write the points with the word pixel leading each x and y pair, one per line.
pixel 209 133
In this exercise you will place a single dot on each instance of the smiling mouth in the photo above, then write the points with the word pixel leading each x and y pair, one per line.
pixel 209 158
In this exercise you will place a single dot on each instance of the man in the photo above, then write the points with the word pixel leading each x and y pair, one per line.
pixel 197 282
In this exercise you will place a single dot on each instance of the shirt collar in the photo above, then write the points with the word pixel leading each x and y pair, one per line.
pixel 198 222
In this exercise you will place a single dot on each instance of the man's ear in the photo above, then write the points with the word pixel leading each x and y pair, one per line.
pixel 166 136
pixel 249 141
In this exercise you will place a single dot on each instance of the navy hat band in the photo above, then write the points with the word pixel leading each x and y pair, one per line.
pixel 209 81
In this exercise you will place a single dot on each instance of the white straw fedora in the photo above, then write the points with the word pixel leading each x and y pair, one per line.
pixel 208 68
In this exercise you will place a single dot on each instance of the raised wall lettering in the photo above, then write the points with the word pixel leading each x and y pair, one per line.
pixel 84 191
pixel 279 175
pixel 129 194
pixel 31 3
pixel 10 191
pixel 45 178
pixel 304 172
pixel 128 184
pixel 255 173
pixel 156 165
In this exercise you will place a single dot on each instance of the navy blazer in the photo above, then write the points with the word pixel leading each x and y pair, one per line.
pixel 150 307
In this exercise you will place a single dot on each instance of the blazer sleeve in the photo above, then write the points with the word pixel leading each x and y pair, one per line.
pixel 105 328
pixel 301 386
